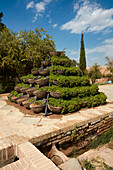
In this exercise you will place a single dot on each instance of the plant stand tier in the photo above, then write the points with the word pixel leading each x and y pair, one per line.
pixel 20 100
pixel 41 94
pixel 55 109
pixel 30 91
pixel 44 72
pixel 34 72
pixel 55 94
pixel 46 63
pixel 58 53
pixel 37 108
pixel 42 82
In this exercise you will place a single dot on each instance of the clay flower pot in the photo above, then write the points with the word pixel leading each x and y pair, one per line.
pixel 37 108
pixel 46 63
pixel 41 94
pixel 25 81
pixel 58 53
pixel 55 94
pixel 62 72
pixel 30 91
pixel 26 103
pixel 17 88
pixel 31 80
pixel 42 82
pixel 44 72
pixel 23 90
pixel 74 94
pixel 14 98
pixel 34 72
pixel 55 82
pixel 55 109
pixel 22 99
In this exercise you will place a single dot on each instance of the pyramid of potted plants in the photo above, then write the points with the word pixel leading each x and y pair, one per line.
pixel 32 92
pixel 69 90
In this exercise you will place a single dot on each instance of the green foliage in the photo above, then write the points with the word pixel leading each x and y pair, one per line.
pixel 103 139
pixel 28 76
pixel 20 52
pixel 82 62
pixel 23 85
pixel 110 67
pixel 65 61
pixel 75 103
pixel 74 71
pixel 70 81
pixel 66 92
pixel 39 102
pixel 94 73
pixel 2 26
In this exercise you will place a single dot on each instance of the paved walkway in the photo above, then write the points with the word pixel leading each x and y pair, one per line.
pixel 12 121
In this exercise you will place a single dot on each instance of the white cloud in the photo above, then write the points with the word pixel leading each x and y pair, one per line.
pixel 50 20
pixel 39 7
pixel 30 5
pixel 75 7
pixel 90 18
pixel 106 49
pixel 55 25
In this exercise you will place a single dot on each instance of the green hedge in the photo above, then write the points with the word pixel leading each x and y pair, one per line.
pixel 74 71
pixel 28 76
pixel 55 60
pixel 70 81
pixel 76 103
pixel 23 85
pixel 66 92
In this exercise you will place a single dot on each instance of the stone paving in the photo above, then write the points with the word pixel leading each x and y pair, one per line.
pixel 12 121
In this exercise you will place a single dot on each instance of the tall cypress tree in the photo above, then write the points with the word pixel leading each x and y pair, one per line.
pixel 82 61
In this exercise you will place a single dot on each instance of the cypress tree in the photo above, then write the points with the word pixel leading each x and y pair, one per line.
pixel 82 61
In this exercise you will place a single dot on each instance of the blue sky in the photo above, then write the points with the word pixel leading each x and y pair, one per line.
pixel 65 20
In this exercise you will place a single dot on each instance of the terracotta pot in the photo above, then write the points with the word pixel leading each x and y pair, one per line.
pixel 17 88
pixel 44 72
pixel 55 94
pixel 26 103
pixel 23 90
pixel 74 94
pixel 22 99
pixel 55 109
pixel 83 104
pixel 34 72
pixel 46 63
pixel 62 72
pixel 42 82
pixel 14 98
pixel 30 91
pixel 55 82
pixel 25 81
pixel 31 81
pixel 37 108
pixel 58 53
pixel 41 94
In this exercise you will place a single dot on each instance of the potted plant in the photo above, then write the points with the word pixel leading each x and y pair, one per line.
pixel 34 71
pixel 46 63
pixel 58 53
pixel 44 72
pixel 38 106
pixel 30 91
pixel 54 105
pixel 21 99
pixel 41 92
pixel 14 96
pixel 27 102
pixel 42 81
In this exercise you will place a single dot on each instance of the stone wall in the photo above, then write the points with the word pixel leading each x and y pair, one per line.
pixel 87 130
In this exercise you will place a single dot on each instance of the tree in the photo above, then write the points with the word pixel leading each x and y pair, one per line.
pixel 82 61
pixel 2 26
pixel 110 66
pixel 20 52
pixel 94 73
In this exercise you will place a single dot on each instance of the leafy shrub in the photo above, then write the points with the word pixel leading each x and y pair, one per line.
pixel 28 76
pixel 74 71
pixel 66 92
pixel 23 85
pixel 75 103
pixel 61 61
pixel 71 81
